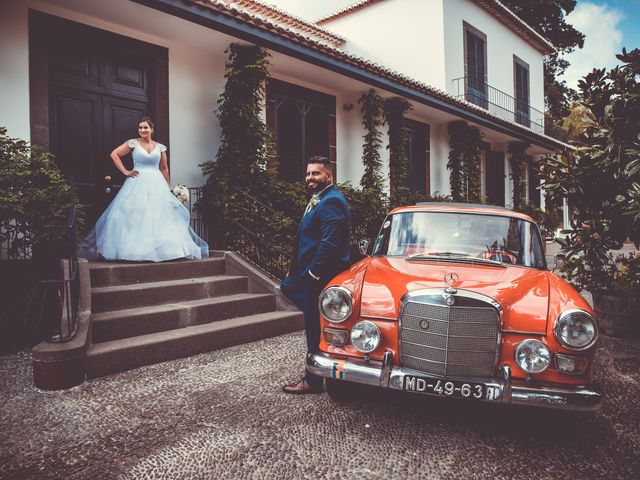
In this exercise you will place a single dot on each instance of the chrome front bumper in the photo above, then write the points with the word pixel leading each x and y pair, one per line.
pixel 505 390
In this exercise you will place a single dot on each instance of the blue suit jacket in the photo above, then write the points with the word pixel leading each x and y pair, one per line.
pixel 322 244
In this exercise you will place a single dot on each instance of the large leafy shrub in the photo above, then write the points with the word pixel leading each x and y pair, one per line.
pixel 34 198
pixel 601 176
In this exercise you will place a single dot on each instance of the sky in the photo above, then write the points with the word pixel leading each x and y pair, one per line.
pixel 608 25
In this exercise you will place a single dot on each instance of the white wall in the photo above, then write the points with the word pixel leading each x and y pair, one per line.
pixel 195 72
pixel 502 44
pixel 196 69
pixel 14 69
pixel 404 35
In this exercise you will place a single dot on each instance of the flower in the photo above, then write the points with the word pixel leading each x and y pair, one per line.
pixel 315 200
pixel 624 273
pixel 181 192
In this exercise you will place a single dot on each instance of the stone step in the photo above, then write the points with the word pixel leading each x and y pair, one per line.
pixel 120 355
pixel 122 297
pixel 113 325
pixel 104 274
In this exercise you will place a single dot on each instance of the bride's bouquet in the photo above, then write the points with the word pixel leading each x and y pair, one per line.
pixel 181 192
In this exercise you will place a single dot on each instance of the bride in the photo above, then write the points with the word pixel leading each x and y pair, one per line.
pixel 144 222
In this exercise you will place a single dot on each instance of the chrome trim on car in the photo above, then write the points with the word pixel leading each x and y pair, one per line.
pixel 338 287
pixel 387 366
pixel 505 389
pixel 557 335
pixel 523 332
pixel 374 317
pixel 441 293
pixel 505 374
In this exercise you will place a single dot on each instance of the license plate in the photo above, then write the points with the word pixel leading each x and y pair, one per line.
pixel 445 388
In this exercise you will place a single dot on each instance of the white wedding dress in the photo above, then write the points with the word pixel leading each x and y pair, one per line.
pixel 145 221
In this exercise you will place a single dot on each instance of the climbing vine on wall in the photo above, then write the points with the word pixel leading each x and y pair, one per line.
pixel 395 109
pixel 465 144
pixel 245 141
pixel 372 108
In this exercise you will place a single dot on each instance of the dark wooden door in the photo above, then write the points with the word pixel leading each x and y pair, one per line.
pixel 417 152
pixel 99 85
pixel 77 143
pixel 495 178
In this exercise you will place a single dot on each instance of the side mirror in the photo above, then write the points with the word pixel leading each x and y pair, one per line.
pixel 562 241
pixel 363 246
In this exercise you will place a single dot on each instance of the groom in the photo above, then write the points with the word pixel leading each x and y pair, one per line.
pixel 321 252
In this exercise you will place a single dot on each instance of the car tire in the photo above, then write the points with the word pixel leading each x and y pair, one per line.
pixel 341 391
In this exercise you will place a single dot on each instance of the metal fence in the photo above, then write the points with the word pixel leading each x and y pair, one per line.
pixel 499 103
pixel 262 235
pixel 50 308
pixel 12 246
pixel 197 220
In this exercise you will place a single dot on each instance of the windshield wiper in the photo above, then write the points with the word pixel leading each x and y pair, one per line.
pixel 438 254
pixel 453 256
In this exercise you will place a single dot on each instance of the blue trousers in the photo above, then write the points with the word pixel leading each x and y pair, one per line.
pixel 307 301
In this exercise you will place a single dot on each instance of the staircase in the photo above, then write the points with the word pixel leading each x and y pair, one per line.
pixel 147 313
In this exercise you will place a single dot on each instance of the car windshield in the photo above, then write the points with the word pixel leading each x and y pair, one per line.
pixel 494 238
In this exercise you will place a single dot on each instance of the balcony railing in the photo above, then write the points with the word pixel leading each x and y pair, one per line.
pixel 499 103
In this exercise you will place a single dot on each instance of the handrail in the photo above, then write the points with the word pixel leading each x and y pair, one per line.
pixel 253 239
pixel 57 299
pixel 196 221
pixel 496 101
pixel 263 205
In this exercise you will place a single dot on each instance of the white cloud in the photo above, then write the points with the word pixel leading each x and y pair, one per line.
pixel 603 40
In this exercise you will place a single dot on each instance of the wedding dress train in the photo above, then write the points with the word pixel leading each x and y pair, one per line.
pixel 144 222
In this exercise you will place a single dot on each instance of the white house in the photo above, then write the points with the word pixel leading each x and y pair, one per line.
pixel 75 76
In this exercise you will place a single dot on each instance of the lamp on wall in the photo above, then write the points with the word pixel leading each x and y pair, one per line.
pixel 347 107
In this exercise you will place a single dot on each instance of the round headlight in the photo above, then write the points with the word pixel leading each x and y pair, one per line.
pixel 365 336
pixel 576 329
pixel 335 304
pixel 532 356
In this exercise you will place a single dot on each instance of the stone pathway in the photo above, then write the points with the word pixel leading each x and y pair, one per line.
pixel 221 415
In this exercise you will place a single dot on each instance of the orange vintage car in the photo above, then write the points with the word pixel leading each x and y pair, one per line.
pixel 456 300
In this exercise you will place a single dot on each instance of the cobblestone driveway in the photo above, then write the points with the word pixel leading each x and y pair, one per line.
pixel 221 415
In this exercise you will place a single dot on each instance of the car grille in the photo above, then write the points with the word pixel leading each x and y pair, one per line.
pixel 458 341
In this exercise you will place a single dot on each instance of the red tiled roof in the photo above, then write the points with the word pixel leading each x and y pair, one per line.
pixel 515 23
pixel 346 11
pixel 270 13
pixel 246 11
pixel 492 7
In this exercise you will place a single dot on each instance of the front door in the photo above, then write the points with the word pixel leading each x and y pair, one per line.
pixel 495 178
pixel 99 85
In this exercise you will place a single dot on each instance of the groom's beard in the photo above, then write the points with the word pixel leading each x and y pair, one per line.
pixel 317 186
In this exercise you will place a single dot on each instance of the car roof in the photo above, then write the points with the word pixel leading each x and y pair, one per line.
pixel 473 208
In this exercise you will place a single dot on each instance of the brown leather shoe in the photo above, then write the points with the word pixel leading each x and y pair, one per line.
pixel 301 387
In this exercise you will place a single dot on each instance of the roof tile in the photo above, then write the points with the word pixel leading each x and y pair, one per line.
pixel 297 35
